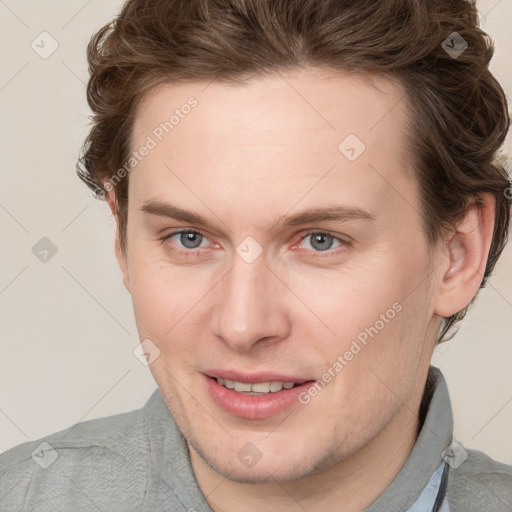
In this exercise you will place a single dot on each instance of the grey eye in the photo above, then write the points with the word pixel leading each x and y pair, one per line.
pixel 190 239
pixel 321 241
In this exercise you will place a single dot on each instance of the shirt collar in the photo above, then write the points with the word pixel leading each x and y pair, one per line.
pixel 435 435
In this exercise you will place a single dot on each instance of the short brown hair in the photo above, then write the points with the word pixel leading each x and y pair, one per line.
pixel 457 109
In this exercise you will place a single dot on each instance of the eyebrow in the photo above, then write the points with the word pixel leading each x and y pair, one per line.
pixel 162 209
pixel 338 213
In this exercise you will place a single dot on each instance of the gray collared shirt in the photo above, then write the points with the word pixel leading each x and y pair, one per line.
pixel 139 461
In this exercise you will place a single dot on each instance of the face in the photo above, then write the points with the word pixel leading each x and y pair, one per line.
pixel 266 244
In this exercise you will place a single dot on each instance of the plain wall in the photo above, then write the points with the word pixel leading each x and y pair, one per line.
pixel 67 326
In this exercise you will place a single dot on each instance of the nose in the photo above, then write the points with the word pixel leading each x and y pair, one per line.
pixel 251 306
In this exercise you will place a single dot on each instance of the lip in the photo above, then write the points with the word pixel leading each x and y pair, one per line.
pixel 251 406
pixel 254 377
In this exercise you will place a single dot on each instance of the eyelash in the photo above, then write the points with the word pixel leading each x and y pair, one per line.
pixel 315 254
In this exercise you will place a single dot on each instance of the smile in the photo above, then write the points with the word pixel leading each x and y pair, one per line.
pixel 256 400
pixel 258 388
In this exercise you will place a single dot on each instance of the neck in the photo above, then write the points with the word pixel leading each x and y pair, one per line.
pixel 351 485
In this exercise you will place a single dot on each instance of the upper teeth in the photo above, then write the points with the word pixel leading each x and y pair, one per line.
pixel 257 387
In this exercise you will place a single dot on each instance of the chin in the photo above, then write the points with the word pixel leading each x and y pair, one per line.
pixel 264 473
pixel 269 468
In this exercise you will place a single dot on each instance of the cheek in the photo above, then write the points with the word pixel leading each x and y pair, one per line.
pixel 350 299
pixel 376 314
pixel 165 296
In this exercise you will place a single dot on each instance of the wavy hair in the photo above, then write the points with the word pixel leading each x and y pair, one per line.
pixel 458 111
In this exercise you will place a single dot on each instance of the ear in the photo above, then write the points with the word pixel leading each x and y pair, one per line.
pixel 465 257
pixel 120 254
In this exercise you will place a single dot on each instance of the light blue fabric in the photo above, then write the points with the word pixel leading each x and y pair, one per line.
pixel 426 500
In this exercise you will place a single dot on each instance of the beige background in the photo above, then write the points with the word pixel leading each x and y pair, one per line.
pixel 67 327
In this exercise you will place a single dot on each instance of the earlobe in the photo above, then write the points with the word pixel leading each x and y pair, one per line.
pixel 467 250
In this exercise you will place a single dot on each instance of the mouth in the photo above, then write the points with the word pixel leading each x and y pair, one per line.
pixel 259 399
pixel 256 388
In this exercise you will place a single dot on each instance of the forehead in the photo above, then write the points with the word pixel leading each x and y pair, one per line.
pixel 282 102
pixel 275 136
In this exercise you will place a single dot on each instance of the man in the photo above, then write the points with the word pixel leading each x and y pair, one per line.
pixel 307 199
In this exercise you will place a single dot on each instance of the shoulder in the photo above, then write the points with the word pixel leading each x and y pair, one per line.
pixel 102 462
pixel 480 483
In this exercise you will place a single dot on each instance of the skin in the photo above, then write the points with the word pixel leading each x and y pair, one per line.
pixel 247 155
